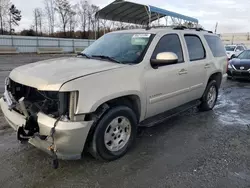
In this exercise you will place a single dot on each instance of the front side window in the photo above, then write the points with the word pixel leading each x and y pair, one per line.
pixel 169 43
pixel 241 48
pixel 238 48
pixel 215 45
pixel 195 47
pixel 127 48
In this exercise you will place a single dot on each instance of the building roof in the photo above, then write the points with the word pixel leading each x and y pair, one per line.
pixel 125 11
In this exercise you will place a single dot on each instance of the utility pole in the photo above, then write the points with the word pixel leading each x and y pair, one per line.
pixel 216 25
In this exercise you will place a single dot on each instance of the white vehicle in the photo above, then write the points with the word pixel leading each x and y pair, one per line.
pixel 234 50
pixel 123 80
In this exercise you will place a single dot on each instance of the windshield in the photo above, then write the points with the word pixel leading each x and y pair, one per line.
pixel 230 48
pixel 244 55
pixel 125 48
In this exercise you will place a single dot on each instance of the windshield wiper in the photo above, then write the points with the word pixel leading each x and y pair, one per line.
pixel 108 58
pixel 84 55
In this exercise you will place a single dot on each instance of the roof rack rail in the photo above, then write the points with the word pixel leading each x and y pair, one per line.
pixel 194 28
pixel 178 27
pixel 158 26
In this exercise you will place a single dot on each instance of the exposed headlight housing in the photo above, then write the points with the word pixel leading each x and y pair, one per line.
pixel 229 66
pixel 68 104
pixel 73 98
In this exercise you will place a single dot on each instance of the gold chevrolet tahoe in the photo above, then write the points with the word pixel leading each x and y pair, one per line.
pixel 95 101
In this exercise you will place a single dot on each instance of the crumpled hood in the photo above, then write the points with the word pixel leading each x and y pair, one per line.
pixel 51 74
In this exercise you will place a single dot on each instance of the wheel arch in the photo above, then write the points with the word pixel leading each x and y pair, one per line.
pixel 217 76
pixel 133 101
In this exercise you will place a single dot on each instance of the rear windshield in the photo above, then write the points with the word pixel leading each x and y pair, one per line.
pixel 215 45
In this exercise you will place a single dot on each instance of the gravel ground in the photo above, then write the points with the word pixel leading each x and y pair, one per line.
pixel 210 149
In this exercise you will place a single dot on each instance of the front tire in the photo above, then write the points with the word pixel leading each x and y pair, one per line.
pixel 115 133
pixel 210 96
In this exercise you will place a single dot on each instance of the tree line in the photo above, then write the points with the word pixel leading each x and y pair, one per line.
pixel 59 18
pixel 73 20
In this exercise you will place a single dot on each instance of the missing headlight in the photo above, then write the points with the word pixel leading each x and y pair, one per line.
pixel 72 104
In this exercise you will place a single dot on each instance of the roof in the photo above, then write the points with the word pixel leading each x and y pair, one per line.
pixel 163 30
pixel 125 11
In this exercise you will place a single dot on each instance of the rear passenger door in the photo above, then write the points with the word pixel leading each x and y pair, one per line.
pixel 197 65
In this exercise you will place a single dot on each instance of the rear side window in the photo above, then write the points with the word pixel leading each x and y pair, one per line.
pixel 215 45
pixel 241 48
pixel 169 43
pixel 195 47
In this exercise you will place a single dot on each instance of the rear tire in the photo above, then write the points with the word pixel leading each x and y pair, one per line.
pixel 114 134
pixel 210 96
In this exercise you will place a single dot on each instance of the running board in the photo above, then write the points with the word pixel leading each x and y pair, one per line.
pixel 169 114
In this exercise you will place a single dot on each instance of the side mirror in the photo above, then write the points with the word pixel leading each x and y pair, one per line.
pixel 164 58
pixel 233 56
pixel 238 50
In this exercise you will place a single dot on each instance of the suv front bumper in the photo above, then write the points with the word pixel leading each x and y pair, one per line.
pixel 69 137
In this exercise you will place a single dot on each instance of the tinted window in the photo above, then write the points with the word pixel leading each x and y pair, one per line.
pixel 241 48
pixel 238 48
pixel 216 46
pixel 169 43
pixel 195 48
pixel 244 55
pixel 228 48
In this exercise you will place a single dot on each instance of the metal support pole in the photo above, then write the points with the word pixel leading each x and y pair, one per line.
pixel 149 15
pixel 166 18
pixel 12 42
pixel 37 42
pixel 158 18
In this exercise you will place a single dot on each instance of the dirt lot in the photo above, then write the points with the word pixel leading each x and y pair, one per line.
pixel 210 149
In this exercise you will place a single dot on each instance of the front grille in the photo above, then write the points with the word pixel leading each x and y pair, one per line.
pixel 35 100
pixel 19 90
pixel 238 67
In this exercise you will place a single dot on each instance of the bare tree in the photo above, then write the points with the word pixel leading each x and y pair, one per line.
pixel 83 15
pixel 72 19
pixel 63 8
pixel 4 9
pixel 103 24
pixel 50 13
pixel 38 15
pixel 91 17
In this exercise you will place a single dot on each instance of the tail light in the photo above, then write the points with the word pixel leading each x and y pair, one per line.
pixel 227 64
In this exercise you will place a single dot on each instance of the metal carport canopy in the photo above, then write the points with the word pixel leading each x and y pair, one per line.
pixel 129 12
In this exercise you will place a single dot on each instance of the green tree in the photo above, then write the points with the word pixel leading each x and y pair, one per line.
pixel 14 17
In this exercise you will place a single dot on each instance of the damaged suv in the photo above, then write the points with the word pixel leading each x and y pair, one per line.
pixel 95 102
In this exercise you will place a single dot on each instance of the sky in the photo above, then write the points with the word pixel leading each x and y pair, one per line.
pixel 231 15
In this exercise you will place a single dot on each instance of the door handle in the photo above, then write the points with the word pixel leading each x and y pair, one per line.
pixel 207 66
pixel 183 71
